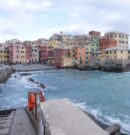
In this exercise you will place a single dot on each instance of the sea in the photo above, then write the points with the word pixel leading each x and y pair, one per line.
pixel 105 95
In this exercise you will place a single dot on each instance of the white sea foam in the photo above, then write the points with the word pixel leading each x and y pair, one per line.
pixel 97 113
pixel 51 87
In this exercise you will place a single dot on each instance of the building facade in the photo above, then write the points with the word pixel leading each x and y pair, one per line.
pixel 78 55
pixel 105 43
pixel 63 57
pixel 115 54
pixel 35 55
pixel 17 54
pixel 121 38
pixel 4 56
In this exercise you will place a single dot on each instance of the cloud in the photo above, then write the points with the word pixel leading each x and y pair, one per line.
pixel 8 32
pixel 24 5
pixel 31 19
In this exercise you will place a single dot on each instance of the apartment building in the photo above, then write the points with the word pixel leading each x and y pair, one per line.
pixel 115 54
pixel 17 54
pixel 121 38
pixel 105 43
pixel 63 57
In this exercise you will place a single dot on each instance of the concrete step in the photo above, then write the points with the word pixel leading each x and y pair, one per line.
pixel 21 124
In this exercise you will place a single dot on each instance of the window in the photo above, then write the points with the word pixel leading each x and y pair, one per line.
pixel 111 36
pixel 121 51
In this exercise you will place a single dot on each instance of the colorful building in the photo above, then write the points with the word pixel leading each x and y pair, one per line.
pixel 92 49
pixel 115 54
pixel 35 55
pixel 63 57
pixel 105 43
pixel 46 54
pixel 17 54
pixel 94 33
pixel 4 56
pixel 78 55
pixel 121 38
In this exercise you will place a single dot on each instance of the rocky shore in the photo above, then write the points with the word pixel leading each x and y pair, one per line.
pixel 5 73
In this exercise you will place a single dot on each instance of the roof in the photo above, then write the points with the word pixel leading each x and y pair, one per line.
pixel 116 49
pixel 114 32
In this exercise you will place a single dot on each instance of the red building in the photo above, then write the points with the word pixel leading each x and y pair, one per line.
pixel 46 53
pixel 94 33
pixel 28 53
pixel 105 43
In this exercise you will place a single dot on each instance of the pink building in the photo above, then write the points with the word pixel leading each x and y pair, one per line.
pixel 17 54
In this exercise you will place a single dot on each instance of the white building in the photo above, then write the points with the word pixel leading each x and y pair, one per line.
pixel 122 38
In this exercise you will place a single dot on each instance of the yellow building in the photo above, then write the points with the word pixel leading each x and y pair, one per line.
pixel 53 43
pixel 114 54
pixel 4 56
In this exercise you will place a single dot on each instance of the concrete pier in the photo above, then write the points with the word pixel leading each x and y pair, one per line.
pixel 62 117
pixel 16 122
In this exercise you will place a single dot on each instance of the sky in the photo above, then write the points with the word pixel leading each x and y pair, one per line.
pixel 33 19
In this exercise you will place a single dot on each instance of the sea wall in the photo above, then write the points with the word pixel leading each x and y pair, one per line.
pixel 5 73
pixel 108 66
pixel 115 66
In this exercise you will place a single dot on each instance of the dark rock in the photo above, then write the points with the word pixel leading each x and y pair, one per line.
pixel 25 74
pixel 42 85
pixel 113 129
pixel 38 83
pixel 31 80
pixel 5 74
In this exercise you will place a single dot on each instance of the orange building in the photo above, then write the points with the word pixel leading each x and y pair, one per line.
pixel 79 54
pixel 105 43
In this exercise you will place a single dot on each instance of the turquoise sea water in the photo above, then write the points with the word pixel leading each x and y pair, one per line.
pixel 105 95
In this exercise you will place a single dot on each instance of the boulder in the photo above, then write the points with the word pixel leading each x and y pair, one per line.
pixel 5 74
pixel 38 83
pixel 114 129
pixel 31 80
pixel 42 85
pixel 25 74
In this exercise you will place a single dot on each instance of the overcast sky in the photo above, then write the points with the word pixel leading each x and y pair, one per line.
pixel 32 19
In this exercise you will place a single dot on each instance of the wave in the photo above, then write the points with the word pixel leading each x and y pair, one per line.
pixel 51 87
pixel 97 113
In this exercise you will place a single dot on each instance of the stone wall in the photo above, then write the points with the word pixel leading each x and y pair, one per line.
pixel 5 74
